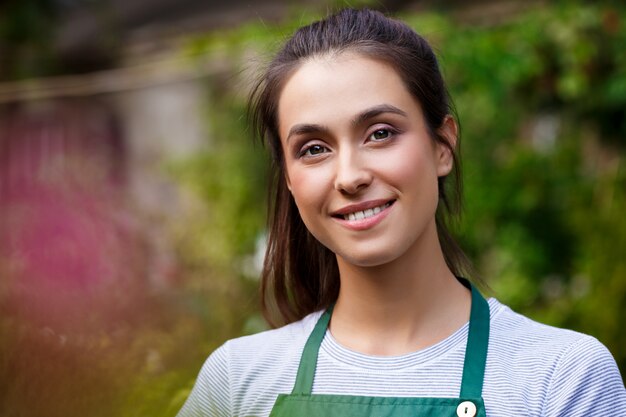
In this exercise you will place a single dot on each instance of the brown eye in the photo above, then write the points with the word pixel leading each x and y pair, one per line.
pixel 314 150
pixel 380 134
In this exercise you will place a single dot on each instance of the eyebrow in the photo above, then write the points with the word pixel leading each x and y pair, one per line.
pixel 304 128
pixel 375 111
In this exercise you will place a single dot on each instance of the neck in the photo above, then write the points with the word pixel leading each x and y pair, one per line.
pixel 399 307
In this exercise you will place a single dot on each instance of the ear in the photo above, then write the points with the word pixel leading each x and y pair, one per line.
pixel 449 132
pixel 287 180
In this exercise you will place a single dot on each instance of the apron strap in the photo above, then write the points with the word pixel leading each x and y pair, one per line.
pixel 308 361
pixel 475 354
pixel 476 351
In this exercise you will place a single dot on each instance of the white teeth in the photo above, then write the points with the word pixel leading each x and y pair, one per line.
pixel 360 215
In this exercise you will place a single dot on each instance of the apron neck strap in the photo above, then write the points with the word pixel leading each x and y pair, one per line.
pixel 308 361
pixel 476 350
pixel 475 354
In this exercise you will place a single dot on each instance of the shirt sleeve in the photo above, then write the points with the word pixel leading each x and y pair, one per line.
pixel 586 383
pixel 210 396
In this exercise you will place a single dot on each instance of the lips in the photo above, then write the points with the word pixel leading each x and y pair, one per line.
pixel 363 216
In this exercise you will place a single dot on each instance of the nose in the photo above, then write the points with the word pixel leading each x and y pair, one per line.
pixel 352 174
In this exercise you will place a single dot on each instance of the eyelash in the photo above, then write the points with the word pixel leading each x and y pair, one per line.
pixel 304 152
pixel 390 131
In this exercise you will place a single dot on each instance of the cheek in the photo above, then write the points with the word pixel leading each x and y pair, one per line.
pixel 412 167
pixel 309 189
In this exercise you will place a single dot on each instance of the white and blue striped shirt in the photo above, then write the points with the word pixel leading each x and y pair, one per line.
pixel 532 370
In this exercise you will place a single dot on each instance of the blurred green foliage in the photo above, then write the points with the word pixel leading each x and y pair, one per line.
pixel 541 99
pixel 542 104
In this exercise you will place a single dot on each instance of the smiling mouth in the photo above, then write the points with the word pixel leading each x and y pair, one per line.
pixel 364 214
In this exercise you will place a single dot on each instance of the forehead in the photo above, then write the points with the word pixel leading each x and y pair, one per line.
pixel 333 88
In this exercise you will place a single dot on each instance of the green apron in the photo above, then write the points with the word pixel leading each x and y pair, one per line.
pixel 301 403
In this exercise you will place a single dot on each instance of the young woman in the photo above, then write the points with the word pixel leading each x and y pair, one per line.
pixel 359 262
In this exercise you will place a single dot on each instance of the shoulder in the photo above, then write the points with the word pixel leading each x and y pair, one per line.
pixel 237 377
pixel 521 335
pixel 263 353
pixel 520 338
pixel 271 343
pixel 551 370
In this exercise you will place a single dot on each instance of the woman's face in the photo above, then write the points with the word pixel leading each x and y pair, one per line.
pixel 359 161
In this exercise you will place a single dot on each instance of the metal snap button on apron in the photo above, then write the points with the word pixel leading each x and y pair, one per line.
pixel 466 409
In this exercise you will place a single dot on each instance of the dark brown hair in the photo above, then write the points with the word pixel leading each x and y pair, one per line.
pixel 300 275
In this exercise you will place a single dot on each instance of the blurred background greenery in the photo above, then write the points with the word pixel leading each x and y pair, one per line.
pixel 540 92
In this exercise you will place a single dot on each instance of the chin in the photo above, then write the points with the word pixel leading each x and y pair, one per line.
pixel 368 259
